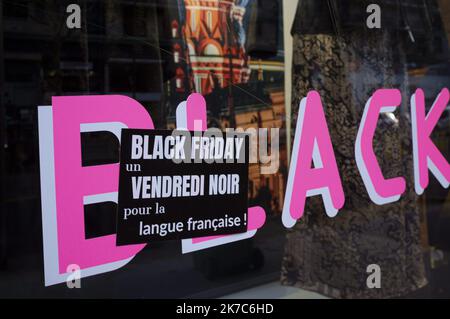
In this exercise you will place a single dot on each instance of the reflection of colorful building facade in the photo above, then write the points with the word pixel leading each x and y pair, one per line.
pixel 266 117
pixel 208 47
pixel 269 115
pixel 214 38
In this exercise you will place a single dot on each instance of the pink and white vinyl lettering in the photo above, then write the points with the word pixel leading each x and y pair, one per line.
pixel 426 154
pixel 381 191
pixel 191 115
pixel 312 143
pixel 67 186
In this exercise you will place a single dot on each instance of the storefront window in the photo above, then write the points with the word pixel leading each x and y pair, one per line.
pixel 235 54
pixel 132 49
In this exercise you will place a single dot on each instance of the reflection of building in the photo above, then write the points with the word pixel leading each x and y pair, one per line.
pixel 116 51
pixel 253 114
pixel 208 47
pixel 212 31
pixel 267 117
pixel 444 7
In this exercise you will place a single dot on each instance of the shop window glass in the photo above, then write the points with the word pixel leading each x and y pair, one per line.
pixel 233 53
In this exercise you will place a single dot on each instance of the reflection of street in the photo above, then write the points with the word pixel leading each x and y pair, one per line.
pixel 177 275
pixel 275 290
pixel 159 271
pixel 432 78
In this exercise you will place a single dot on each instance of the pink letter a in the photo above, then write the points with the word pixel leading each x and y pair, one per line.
pixel 312 143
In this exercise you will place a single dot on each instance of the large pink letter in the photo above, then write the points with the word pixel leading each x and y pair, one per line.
pixel 312 143
pixel 192 115
pixel 66 186
pixel 381 191
pixel 426 154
